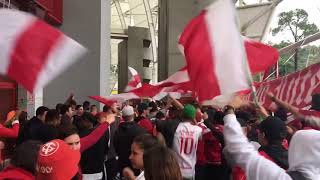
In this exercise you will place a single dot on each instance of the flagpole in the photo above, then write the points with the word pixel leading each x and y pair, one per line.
pixel 245 63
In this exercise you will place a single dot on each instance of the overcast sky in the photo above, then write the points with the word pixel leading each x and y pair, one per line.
pixel 311 6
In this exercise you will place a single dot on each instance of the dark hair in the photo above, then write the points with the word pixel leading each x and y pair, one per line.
pixel 23 117
pixel 25 155
pixel 85 121
pixel 52 116
pixel 174 112
pixel 160 163
pixel 86 105
pixel 242 122
pixel 160 115
pixel 153 106
pixel 66 131
pixel 142 107
pixel 41 110
pixel 244 115
pixel 65 108
pixel 58 107
pixel 218 117
pixel 92 106
pixel 78 107
pixel 72 102
pixel 281 113
pixel 106 108
pixel 146 141
pixel 274 128
pixel 211 114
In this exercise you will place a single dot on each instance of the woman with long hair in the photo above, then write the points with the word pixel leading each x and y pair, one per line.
pixel 140 145
pixel 160 163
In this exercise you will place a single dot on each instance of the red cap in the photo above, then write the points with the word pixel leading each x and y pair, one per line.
pixel 56 160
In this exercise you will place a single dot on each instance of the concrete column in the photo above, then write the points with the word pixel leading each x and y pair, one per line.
pixel 29 102
pixel 123 65
pixel 88 22
pixel 173 17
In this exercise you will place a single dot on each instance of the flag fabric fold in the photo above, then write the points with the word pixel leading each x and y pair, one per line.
pixel 32 52
pixel 215 53
pixel 176 85
pixel 135 80
pixel 103 100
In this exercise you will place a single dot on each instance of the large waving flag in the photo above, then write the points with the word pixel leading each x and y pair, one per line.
pixel 32 52
pixel 176 85
pixel 135 80
pixel 216 61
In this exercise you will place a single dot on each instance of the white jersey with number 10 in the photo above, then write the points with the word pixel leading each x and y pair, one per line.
pixel 185 145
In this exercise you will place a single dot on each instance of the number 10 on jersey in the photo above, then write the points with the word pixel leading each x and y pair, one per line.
pixel 186 145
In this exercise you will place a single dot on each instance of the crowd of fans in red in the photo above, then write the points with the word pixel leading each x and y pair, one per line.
pixel 162 140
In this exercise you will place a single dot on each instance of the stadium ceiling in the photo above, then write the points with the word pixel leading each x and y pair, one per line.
pixel 140 13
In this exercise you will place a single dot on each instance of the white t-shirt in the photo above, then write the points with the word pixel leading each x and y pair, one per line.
pixel 185 144
pixel 141 176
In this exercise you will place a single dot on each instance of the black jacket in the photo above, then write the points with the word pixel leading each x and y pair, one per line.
pixel 92 159
pixel 50 133
pixel 33 130
pixel 168 129
pixel 123 139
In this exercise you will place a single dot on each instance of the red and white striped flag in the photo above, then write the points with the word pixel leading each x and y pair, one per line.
pixel 176 84
pixel 135 80
pixel 32 52
pixel 216 61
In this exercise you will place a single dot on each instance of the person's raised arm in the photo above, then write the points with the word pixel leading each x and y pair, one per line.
pixel 243 154
pixel 10 132
pixel 175 102
pixel 94 136
pixel 285 105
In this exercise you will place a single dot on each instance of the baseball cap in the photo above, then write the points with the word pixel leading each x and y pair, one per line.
pixel 56 160
pixel 189 111
pixel 274 128
pixel 127 111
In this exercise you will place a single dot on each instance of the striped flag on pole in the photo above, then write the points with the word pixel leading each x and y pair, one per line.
pixel 216 60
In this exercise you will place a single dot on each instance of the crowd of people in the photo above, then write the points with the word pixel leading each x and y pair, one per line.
pixel 162 140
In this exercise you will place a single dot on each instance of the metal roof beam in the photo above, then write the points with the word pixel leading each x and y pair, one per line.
pixel 120 13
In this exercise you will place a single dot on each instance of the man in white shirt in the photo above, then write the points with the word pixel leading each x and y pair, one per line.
pixel 185 142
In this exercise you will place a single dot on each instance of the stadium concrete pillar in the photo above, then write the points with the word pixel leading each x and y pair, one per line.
pixel 173 17
pixel 88 22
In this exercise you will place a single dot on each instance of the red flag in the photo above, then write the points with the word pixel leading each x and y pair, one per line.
pixel 103 100
pixel 135 80
pixel 33 52
pixel 212 46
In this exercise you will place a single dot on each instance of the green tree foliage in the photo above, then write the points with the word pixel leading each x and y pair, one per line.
pixel 308 55
pixel 296 22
